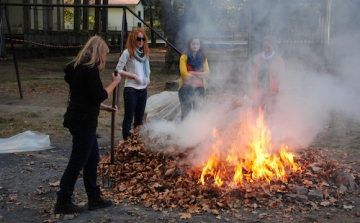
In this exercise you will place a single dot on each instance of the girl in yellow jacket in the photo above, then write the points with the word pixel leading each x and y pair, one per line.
pixel 194 68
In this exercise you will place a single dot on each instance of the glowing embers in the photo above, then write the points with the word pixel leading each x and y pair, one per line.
pixel 252 157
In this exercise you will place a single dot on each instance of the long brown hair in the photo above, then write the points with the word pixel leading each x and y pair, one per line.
pixel 95 50
pixel 201 50
pixel 131 43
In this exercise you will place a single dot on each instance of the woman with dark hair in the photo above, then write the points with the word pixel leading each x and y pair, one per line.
pixel 194 68
pixel 81 118
pixel 134 66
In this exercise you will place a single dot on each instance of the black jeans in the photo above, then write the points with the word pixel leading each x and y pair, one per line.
pixel 190 98
pixel 84 156
pixel 134 103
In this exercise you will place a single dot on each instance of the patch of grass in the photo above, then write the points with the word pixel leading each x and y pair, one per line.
pixel 28 114
pixel 4 120
pixel 311 219
pixel 12 127
pixel 59 115
pixel 29 84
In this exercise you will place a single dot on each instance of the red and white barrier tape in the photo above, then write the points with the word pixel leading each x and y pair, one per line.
pixel 46 45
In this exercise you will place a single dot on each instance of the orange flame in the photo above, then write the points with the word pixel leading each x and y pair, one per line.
pixel 211 167
pixel 251 157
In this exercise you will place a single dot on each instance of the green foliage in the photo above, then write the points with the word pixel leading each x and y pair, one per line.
pixel 69 13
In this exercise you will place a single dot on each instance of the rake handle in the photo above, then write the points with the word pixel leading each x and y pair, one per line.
pixel 113 124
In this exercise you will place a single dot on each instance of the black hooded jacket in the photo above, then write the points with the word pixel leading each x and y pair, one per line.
pixel 86 95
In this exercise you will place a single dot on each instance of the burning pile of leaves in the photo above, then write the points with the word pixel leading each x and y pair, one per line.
pixel 162 178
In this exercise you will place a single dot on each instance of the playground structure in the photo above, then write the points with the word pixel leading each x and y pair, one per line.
pixel 80 37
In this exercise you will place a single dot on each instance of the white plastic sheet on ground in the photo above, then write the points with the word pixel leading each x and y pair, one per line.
pixel 24 142
pixel 163 106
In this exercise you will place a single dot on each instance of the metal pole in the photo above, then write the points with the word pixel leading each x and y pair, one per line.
pixel 152 29
pixel 153 40
pixel 13 49
pixel 113 115
pixel 121 49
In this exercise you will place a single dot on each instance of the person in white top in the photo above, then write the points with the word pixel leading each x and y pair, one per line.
pixel 134 66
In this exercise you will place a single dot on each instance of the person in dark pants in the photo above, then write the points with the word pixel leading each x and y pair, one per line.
pixel 81 118
pixel 194 68
pixel 135 60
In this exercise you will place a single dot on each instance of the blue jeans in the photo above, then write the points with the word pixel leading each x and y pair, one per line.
pixel 134 103
pixel 84 156
pixel 190 98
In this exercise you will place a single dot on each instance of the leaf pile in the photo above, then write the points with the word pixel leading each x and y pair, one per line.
pixel 164 179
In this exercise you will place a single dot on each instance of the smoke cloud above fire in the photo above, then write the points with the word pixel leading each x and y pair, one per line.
pixel 316 87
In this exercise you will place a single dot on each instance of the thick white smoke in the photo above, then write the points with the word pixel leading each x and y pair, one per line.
pixel 312 89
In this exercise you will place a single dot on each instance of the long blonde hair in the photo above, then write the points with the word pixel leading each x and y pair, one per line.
pixel 93 53
pixel 131 43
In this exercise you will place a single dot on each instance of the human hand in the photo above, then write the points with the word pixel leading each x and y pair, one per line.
pixel 136 78
pixel 108 108
pixel 116 77
pixel 115 109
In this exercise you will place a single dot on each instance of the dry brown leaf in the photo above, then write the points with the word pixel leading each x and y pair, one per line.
pixel 55 184
pixel 143 196
pixel 307 183
pixel 289 209
pixel 332 200
pixel 205 206
pixel 122 187
pixel 273 204
pixel 325 203
pixel 214 211
pixel 348 207
pixel 220 204
pixel 167 180
pixel 326 194
pixel 185 216
pixel 157 185
pixel 169 171
pixel 194 209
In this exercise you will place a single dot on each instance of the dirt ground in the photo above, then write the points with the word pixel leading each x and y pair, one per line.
pixel 28 180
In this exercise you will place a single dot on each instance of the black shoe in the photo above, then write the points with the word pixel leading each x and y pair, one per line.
pixel 97 202
pixel 64 205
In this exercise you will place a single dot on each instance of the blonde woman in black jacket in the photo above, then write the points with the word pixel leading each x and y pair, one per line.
pixel 81 118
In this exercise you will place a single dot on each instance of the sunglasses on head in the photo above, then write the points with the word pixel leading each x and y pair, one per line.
pixel 140 38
